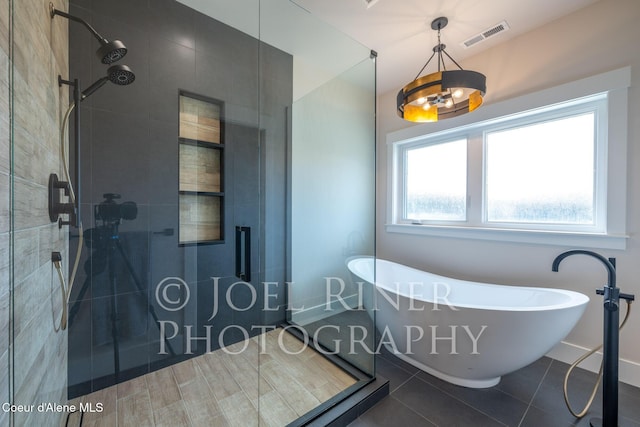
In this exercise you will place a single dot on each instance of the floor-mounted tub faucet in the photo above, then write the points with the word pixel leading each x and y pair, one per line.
pixel 609 263
pixel 610 344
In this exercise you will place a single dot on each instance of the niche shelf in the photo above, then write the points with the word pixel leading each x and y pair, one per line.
pixel 201 188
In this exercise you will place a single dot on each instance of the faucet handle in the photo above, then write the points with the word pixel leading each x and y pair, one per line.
pixel 628 297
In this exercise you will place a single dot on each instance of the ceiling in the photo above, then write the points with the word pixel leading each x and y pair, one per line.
pixel 398 30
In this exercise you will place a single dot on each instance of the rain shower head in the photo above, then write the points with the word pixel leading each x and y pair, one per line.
pixel 117 74
pixel 109 51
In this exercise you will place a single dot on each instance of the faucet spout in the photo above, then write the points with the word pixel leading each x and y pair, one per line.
pixel 608 263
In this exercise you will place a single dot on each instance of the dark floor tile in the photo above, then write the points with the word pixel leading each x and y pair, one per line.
pixel 395 374
pixel 536 418
pixel 390 412
pixel 439 407
pixel 495 403
pixel 586 421
pixel 397 361
pixel 539 384
pixel 523 383
pixel 629 390
pixel 625 422
pixel 550 397
pixel 629 402
pixel 558 370
pixel 384 351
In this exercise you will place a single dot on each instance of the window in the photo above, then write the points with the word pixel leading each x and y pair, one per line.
pixel 544 173
pixel 436 181
pixel 555 173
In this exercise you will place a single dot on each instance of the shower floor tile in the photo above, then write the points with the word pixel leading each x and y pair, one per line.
pixel 235 386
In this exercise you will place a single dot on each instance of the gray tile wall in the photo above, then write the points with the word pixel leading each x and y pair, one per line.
pixel 40 54
pixel 130 147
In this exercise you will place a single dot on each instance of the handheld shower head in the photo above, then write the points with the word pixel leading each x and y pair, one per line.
pixel 109 51
pixel 121 75
pixel 117 74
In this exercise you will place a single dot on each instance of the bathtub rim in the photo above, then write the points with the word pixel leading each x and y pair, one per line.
pixel 576 299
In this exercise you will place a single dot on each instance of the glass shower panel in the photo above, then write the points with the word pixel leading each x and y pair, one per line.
pixel 332 213
pixel 328 166
pixel 170 173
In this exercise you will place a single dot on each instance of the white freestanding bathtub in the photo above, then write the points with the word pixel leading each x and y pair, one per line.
pixel 466 333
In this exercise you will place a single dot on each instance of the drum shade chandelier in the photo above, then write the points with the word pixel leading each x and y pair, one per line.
pixel 443 94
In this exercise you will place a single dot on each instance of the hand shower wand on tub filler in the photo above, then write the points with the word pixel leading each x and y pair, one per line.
pixel 610 343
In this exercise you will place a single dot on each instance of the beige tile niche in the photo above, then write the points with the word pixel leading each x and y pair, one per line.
pixel 201 170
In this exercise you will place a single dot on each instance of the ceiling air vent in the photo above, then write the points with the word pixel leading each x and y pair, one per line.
pixel 489 32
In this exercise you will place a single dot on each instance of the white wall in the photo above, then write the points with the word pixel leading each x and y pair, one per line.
pixel 598 38
pixel 332 184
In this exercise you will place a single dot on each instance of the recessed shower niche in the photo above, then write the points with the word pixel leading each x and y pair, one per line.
pixel 201 170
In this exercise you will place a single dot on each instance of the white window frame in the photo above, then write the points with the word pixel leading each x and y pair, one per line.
pixel 403 161
pixel 596 104
pixel 605 93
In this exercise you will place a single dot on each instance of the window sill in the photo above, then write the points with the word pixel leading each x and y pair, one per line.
pixel 583 240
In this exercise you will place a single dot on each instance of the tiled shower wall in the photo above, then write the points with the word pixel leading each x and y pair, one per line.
pixel 4 205
pixel 40 54
pixel 130 147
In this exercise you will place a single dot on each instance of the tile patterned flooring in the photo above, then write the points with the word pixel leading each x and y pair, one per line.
pixel 530 397
pixel 203 391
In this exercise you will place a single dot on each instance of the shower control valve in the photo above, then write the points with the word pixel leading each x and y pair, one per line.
pixel 56 207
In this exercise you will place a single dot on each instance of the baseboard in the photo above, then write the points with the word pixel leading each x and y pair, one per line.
pixel 322 311
pixel 629 372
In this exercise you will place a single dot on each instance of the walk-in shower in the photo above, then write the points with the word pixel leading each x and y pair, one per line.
pixel 198 254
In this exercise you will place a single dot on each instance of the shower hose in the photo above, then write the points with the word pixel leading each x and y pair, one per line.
pixel 65 288
pixel 577 362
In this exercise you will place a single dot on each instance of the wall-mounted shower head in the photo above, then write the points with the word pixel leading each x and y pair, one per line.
pixel 109 51
pixel 117 74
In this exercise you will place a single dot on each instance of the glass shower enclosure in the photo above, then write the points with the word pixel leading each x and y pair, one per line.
pixel 218 197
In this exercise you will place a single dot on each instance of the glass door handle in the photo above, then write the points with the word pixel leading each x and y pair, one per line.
pixel 243 253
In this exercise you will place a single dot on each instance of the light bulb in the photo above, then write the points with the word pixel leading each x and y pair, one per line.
pixel 449 103
pixel 457 93
pixel 426 106
pixel 421 101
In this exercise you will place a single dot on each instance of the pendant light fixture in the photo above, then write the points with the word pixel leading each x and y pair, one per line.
pixel 443 94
